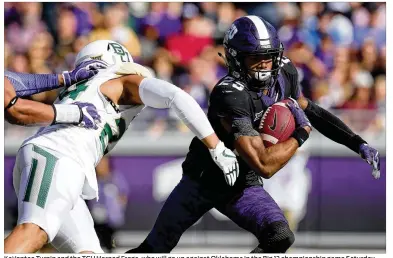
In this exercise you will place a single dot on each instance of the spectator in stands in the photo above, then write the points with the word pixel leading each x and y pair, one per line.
pixel 195 36
pixel 115 28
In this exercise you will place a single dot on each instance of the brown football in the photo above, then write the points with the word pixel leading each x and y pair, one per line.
pixel 277 124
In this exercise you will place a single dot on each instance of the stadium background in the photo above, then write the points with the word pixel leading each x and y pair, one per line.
pixel 339 50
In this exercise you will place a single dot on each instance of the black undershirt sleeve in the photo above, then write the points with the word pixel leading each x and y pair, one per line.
pixel 332 127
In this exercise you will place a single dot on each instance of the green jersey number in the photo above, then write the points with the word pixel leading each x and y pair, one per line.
pixel 107 132
pixel 73 94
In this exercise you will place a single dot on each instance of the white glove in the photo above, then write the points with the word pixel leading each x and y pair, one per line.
pixel 226 161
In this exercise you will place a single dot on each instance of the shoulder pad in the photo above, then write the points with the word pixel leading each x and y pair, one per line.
pixel 287 66
pixel 228 82
pixel 132 68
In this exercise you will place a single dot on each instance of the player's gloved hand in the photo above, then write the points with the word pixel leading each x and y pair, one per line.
pixel 226 161
pixel 83 71
pixel 78 113
pixel 303 125
pixel 371 156
pixel 301 119
pixel 88 115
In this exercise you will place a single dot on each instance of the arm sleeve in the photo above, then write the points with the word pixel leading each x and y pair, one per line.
pixel 161 94
pixel 332 127
pixel 29 84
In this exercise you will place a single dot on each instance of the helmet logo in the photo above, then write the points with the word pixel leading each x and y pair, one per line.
pixel 119 51
pixel 232 52
pixel 232 31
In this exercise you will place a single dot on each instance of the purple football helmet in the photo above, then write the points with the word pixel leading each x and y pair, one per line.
pixel 253 36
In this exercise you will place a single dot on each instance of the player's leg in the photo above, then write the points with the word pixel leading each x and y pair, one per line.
pixel 255 211
pixel 186 204
pixel 77 234
pixel 47 186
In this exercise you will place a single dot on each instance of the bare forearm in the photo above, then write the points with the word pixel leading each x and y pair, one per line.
pixel 276 156
pixel 27 112
pixel 266 161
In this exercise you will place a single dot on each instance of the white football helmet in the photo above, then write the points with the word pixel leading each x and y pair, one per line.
pixel 108 51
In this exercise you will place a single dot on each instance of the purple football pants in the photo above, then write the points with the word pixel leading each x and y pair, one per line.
pixel 251 208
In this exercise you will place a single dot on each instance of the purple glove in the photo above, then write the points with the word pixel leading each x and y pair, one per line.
pixel 301 119
pixel 83 71
pixel 371 156
pixel 89 115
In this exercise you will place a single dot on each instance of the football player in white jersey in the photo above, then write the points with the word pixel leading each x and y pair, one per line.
pixel 55 169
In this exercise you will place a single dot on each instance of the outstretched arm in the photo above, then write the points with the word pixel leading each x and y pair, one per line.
pixel 28 84
pixel 141 88
pixel 161 94
pixel 27 112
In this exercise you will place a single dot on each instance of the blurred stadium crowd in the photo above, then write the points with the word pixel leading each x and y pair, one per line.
pixel 338 48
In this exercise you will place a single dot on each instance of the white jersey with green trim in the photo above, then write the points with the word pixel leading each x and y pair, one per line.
pixel 87 146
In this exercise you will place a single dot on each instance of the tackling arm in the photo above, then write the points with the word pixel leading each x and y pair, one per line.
pixel 27 112
pixel 29 84
pixel 141 88
pixel 136 89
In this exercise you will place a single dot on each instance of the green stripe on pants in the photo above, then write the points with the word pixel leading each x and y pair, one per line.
pixel 47 177
pixel 31 180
